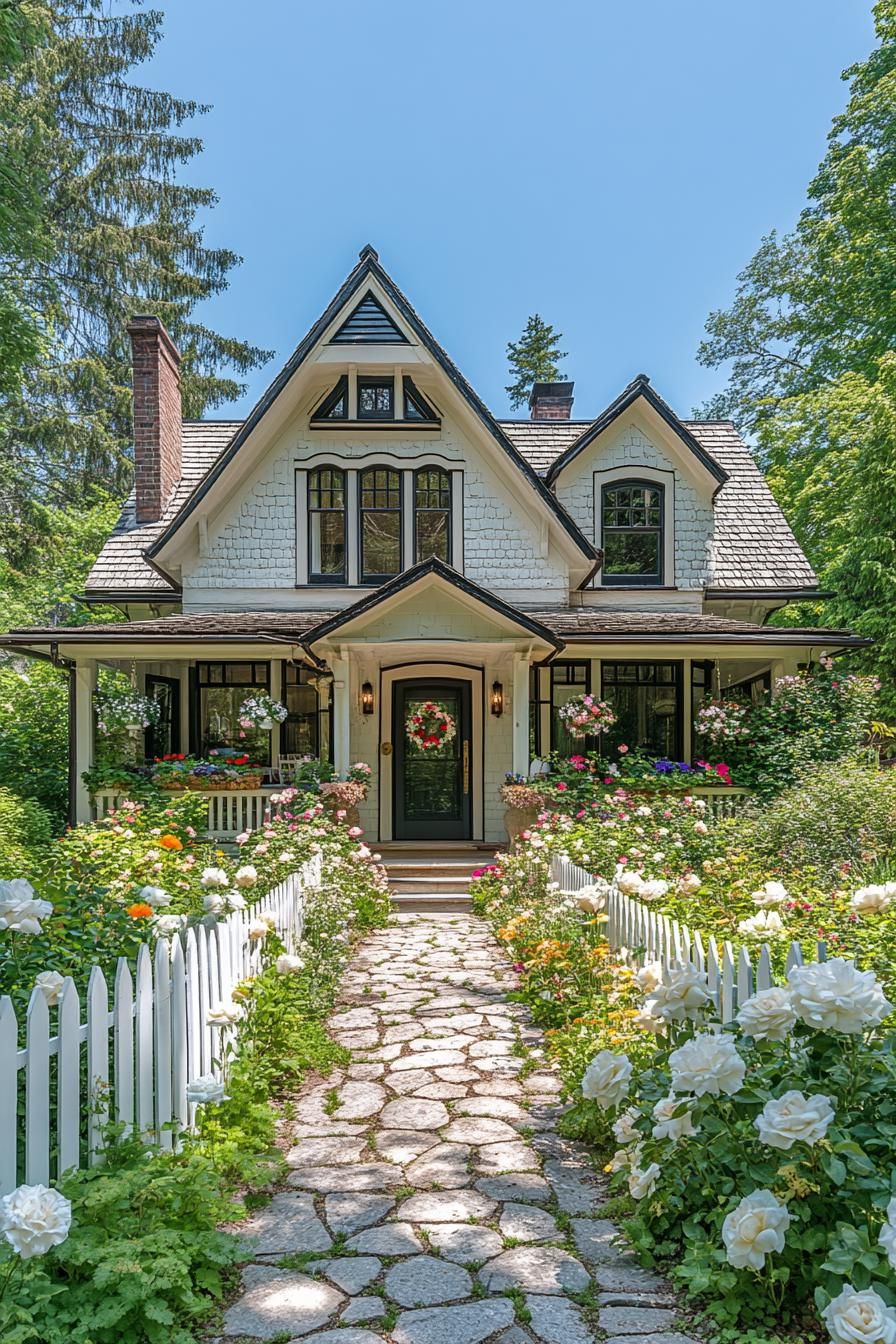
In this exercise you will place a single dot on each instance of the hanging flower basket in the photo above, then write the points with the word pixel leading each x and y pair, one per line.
pixel 430 727
pixel 126 709
pixel 586 717
pixel 260 712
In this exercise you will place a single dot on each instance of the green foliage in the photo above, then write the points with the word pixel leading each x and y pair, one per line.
pixel 25 829
pixel 808 343
pixel 534 358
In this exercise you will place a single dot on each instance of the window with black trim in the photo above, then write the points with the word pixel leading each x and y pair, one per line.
pixel 335 405
pixel 432 514
pixel 380 524
pixel 416 407
pixel 647 698
pixel 221 689
pixel 376 398
pixel 568 681
pixel 632 532
pixel 326 525
pixel 306 729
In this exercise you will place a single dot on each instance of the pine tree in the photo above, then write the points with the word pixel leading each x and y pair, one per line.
pixel 534 358
pixel 123 239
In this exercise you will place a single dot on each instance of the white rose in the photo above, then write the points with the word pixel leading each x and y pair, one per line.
pixel 834 996
pixel 33 1219
pixel 287 964
pixel 246 876
pixel 166 925
pixel 650 976
pixel 689 884
pixel 214 877
pixel 624 1128
pixel 234 901
pixel 754 1230
pixel 765 924
pixel 607 1079
pixel 768 1016
pixel 673 1120
pixel 701 828
pixel 654 889
pixel 258 930
pixel 214 905
pixel 643 1183
pixel 860 1318
pixel 629 882
pixel 887 1237
pixel 205 1090
pixel 592 899
pixel 286 857
pixel 224 1014
pixel 708 1064
pixel 794 1118
pixel 646 1020
pixel 771 893
pixel 620 1160
pixel 682 996
pixel 51 984
pixel 154 896
pixel 871 900
pixel 20 909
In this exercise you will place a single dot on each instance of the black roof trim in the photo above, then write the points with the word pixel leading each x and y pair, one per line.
pixel 639 387
pixel 769 634
pixel 369 265
pixel 788 594
pixel 420 571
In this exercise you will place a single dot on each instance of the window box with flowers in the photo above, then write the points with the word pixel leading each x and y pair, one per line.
pixel 225 770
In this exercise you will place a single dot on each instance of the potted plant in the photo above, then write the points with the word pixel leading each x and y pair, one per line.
pixel 228 770
pixel 345 794
pixel 258 713
pixel 128 709
pixel 524 800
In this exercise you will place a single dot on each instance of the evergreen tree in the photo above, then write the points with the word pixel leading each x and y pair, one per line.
pixel 809 342
pixel 534 358
pixel 123 238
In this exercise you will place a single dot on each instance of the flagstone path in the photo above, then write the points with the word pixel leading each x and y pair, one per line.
pixel 431 1200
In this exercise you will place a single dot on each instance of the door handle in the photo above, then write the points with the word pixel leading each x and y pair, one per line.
pixel 466 766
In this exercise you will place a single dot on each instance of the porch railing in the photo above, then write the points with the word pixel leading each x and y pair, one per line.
pixel 722 802
pixel 230 811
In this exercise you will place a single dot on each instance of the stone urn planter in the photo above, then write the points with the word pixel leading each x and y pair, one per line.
pixel 343 796
pixel 524 802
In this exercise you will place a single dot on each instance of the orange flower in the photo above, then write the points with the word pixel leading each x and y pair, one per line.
pixel 140 910
pixel 170 842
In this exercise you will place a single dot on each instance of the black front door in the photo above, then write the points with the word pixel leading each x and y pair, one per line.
pixel 164 737
pixel 432 778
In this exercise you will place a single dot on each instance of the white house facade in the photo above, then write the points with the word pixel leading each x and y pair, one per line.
pixel 371 537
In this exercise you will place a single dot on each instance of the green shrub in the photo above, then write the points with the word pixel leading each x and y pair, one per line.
pixel 25 828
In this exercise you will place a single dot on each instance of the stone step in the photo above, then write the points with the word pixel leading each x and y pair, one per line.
pixel 409 902
pixel 435 882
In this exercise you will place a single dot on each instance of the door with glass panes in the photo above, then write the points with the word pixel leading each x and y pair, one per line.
pixel 433 796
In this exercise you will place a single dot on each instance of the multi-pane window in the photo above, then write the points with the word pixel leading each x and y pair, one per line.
pixel 375 398
pixel 568 682
pixel 632 533
pixel 221 688
pixel 306 729
pixel 326 525
pixel 380 515
pixel 647 698
pixel 432 514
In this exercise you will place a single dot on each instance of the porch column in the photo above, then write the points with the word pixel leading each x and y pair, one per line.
pixel 520 711
pixel 85 685
pixel 341 714
pixel 276 684
pixel 778 670
pixel 687 706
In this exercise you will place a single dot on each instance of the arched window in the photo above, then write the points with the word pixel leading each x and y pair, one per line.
pixel 326 525
pixel 432 514
pixel 380 512
pixel 632 532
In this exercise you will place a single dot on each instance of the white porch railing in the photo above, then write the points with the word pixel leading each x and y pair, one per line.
pixel 130 1063
pixel 230 811
pixel 649 936
pixel 722 802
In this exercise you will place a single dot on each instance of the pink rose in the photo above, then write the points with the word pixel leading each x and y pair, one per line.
pixel 355 832
pixel 622 749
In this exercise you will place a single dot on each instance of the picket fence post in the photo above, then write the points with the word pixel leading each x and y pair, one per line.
pixel 139 1057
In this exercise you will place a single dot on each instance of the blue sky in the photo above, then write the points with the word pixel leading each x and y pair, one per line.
pixel 610 165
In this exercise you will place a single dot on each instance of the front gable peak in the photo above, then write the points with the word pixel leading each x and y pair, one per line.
pixel 369 324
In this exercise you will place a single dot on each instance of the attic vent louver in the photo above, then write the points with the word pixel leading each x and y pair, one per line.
pixel 369 324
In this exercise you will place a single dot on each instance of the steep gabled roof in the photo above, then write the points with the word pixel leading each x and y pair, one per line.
pixel 637 390
pixel 368 267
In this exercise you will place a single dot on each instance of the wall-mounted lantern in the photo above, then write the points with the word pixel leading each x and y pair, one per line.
pixel 367 698
pixel 497 699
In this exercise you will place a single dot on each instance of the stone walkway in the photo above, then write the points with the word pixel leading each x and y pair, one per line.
pixel 431 1200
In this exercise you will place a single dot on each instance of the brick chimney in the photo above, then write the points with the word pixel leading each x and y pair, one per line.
pixel 157 416
pixel 551 401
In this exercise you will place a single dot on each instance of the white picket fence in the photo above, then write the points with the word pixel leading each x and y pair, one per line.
pixel 140 1053
pixel 647 935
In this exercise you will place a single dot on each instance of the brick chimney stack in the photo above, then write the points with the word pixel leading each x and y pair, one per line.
pixel 157 416
pixel 551 401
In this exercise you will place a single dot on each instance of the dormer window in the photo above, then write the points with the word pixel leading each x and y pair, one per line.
pixel 632 514
pixel 335 404
pixel 375 398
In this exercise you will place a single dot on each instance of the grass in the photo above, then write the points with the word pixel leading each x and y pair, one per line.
pixel 522 1314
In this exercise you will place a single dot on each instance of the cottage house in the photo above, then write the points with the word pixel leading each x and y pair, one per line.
pixel 370 537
